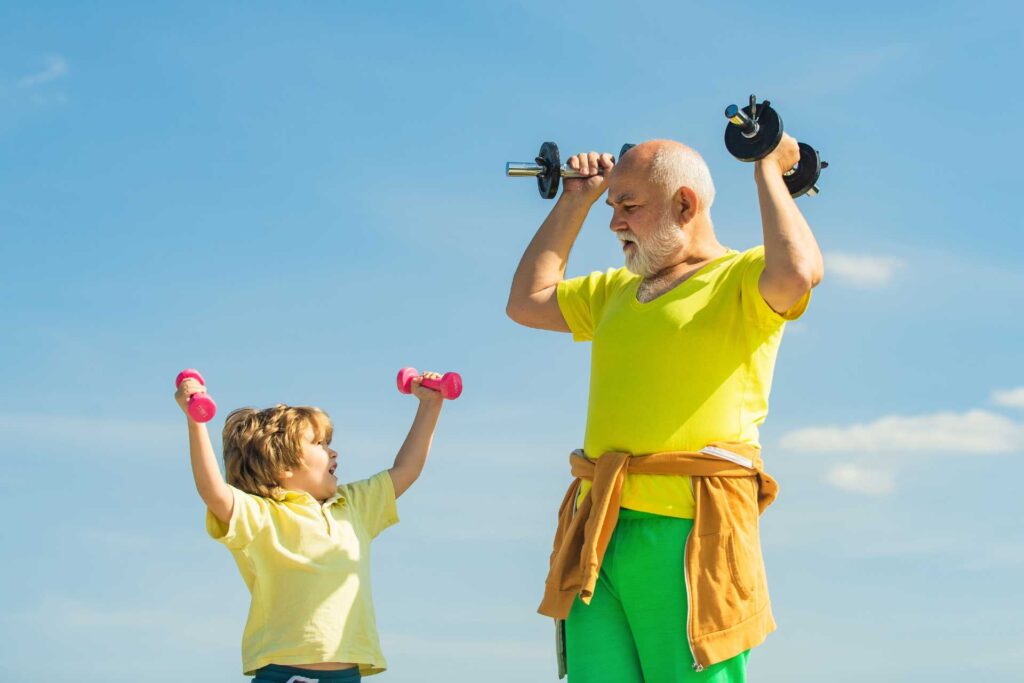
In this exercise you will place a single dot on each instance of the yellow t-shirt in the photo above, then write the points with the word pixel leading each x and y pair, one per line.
pixel 307 567
pixel 690 367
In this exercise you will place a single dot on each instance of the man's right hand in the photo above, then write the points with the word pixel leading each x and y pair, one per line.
pixel 597 167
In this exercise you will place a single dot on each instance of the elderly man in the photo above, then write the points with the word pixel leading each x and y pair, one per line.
pixel 657 568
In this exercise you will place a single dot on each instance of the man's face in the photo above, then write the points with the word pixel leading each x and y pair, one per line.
pixel 643 220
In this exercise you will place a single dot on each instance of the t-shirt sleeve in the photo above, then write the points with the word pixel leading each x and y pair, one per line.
pixel 582 300
pixel 373 500
pixel 754 305
pixel 249 515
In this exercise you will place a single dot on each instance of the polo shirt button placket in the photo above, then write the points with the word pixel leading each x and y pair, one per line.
pixel 327 517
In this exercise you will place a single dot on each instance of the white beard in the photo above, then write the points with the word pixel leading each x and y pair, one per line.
pixel 649 257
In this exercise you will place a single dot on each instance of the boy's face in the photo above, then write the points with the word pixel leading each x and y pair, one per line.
pixel 316 476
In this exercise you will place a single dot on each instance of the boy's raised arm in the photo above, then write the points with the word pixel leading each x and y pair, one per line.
pixel 413 453
pixel 209 481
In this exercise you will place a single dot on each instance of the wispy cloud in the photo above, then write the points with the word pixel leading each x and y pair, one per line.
pixel 496 648
pixel 1001 556
pixel 56 67
pixel 70 433
pixel 1011 398
pixel 80 616
pixel 858 479
pixel 861 270
pixel 976 431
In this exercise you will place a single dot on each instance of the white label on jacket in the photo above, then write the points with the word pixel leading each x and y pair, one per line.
pixel 728 455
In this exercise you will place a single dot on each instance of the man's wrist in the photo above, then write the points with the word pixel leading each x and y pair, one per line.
pixel 577 201
pixel 766 171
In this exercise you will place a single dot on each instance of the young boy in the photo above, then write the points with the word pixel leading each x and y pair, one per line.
pixel 301 540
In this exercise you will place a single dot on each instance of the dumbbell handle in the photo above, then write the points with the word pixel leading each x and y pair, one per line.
pixel 739 118
pixel 526 169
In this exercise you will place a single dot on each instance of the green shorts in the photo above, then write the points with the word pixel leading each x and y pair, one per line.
pixel 634 629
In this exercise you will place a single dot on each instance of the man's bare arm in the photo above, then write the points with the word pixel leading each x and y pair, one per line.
pixel 793 261
pixel 532 299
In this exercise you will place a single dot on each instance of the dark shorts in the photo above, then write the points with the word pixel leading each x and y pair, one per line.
pixel 274 673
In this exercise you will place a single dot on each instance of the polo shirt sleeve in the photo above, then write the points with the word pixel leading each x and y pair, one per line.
pixel 373 500
pixel 249 516
pixel 582 300
pixel 754 306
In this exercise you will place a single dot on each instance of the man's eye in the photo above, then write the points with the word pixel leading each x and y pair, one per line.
pixel 629 207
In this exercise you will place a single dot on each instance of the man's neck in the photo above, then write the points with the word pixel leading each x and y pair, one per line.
pixel 682 267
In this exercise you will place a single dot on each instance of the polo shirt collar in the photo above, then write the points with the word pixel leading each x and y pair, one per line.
pixel 306 497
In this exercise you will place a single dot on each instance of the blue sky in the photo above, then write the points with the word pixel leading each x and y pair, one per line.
pixel 299 199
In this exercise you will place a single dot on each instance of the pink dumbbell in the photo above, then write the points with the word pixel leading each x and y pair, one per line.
pixel 201 407
pixel 450 384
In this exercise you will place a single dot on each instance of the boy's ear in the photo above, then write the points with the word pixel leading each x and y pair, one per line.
pixel 285 474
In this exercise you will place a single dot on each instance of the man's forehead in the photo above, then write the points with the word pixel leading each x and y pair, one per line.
pixel 626 183
pixel 619 197
pixel 624 187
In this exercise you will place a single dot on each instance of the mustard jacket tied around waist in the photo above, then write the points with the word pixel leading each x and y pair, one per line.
pixel 727 590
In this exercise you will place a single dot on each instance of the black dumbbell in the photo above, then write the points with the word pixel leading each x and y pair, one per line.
pixel 548 169
pixel 754 131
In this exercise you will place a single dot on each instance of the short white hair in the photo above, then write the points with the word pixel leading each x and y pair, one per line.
pixel 675 166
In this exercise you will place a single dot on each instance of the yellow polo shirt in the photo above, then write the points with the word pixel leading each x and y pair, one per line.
pixel 674 374
pixel 307 567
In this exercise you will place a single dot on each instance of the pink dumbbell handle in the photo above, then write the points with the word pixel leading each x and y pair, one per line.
pixel 201 407
pixel 450 384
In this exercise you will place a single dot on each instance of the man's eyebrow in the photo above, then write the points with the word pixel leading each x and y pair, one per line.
pixel 618 200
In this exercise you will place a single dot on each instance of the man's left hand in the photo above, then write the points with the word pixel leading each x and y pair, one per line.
pixel 784 157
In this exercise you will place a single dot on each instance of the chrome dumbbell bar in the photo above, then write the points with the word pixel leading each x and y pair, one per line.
pixel 548 169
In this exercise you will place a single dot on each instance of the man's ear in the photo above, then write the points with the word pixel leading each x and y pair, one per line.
pixel 687 205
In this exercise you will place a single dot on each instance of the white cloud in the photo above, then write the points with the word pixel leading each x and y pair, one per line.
pixel 871 482
pixel 56 67
pixel 1011 398
pixel 976 431
pixel 860 270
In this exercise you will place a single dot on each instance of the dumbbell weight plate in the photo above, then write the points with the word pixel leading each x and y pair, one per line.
pixel 625 148
pixel 806 173
pixel 551 160
pixel 767 138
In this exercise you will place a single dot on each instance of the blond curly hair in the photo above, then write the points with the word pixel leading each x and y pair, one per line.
pixel 261 444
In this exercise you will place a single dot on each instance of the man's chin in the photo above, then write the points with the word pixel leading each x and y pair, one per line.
pixel 631 266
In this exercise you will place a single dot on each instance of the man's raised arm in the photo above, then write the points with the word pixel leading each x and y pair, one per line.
pixel 793 262
pixel 533 300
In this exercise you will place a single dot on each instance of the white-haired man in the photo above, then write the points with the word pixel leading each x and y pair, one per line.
pixel 657 569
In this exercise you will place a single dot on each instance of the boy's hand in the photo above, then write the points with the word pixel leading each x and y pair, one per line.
pixel 185 390
pixel 425 395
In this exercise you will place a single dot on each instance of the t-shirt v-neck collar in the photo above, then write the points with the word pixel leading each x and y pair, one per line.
pixel 634 290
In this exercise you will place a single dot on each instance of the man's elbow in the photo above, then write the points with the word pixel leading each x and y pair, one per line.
pixel 805 276
pixel 519 311
pixel 513 311
pixel 817 274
